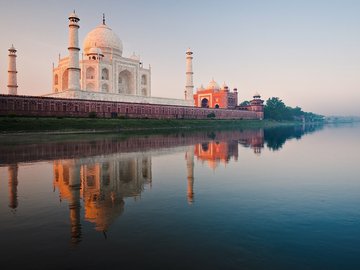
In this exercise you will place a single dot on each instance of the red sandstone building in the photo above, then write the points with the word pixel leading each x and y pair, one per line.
pixel 215 97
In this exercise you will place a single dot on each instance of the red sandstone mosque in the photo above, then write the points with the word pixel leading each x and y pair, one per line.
pixel 108 84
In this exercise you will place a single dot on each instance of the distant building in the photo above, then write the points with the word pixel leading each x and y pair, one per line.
pixel 215 97
pixel 255 105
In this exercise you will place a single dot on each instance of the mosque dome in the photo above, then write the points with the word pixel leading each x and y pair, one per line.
pixel 213 85
pixel 104 38
pixel 257 95
pixel 224 86
pixel 135 57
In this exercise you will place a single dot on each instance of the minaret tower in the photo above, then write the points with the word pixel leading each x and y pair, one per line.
pixel 189 88
pixel 74 68
pixel 12 73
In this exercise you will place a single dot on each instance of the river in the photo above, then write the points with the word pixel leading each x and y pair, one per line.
pixel 279 198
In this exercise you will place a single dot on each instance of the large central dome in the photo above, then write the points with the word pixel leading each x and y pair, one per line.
pixel 104 38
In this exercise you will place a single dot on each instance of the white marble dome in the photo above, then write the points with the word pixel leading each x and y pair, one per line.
pixel 213 85
pixel 104 38
pixel 96 51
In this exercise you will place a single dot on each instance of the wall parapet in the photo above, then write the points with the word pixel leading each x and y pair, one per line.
pixel 64 107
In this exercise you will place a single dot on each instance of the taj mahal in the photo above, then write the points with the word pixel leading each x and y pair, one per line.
pixel 103 73
pixel 101 81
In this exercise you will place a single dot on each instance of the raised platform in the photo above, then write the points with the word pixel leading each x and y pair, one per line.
pixel 100 96
pixel 72 107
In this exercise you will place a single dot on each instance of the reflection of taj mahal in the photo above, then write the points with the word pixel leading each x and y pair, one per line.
pixel 102 184
pixel 96 177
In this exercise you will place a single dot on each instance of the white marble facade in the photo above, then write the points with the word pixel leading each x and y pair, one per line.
pixel 103 69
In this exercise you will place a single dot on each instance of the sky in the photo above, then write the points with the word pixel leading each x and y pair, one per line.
pixel 306 52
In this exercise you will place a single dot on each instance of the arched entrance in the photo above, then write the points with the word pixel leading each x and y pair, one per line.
pixel 126 83
pixel 65 80
pixel 217 106
pixel 204 103
pixel 90 73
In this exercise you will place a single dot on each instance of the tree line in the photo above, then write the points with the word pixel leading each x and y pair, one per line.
pixel 276 109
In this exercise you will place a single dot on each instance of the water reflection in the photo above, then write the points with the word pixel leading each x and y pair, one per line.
pixel 13 183
pixel 275 138
pixel 96 176
pixel 100 184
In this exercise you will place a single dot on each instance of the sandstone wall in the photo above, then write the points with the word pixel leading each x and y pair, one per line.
pixel 65 107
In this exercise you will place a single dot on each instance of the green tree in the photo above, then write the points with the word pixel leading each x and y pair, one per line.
pixel 276 109
pixel 245 103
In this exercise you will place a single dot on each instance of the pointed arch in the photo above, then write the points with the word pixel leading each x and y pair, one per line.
pixel 143 79
pixel 90 73
pixel 126 83
pixel 204 103
pixel 105 74
pixel 65 80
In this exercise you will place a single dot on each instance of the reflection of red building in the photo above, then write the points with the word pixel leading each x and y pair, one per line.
pixel 253 139
pixel 215 97
pixel 215 152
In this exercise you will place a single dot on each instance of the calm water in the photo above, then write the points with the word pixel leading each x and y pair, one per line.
pixel 285 198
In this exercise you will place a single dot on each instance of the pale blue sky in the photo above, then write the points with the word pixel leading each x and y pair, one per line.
pixel 305 52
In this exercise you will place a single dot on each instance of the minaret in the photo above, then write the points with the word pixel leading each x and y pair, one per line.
pixel 190 174
pixel 189 88
pixel 12 73
pixel 74 68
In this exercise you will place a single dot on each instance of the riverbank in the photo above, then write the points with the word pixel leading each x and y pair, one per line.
pixel 94 125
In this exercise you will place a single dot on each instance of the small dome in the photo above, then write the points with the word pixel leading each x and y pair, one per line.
pixel 105 39
pixel 201 88
pixel 224 86
pixel 257 95
pixel 12 48
pixel 188 51
pixel 135 57
pixel 95 50
pixel 213 85
pixel 73 15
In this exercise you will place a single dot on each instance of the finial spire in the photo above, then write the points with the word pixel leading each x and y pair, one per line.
pixel 103 18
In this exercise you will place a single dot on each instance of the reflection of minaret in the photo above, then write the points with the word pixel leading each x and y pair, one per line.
pixel 190 174
pixel 74 203
pixel 13 183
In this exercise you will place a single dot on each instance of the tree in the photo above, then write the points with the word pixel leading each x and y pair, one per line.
pixel 276 109
pixel 245 103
